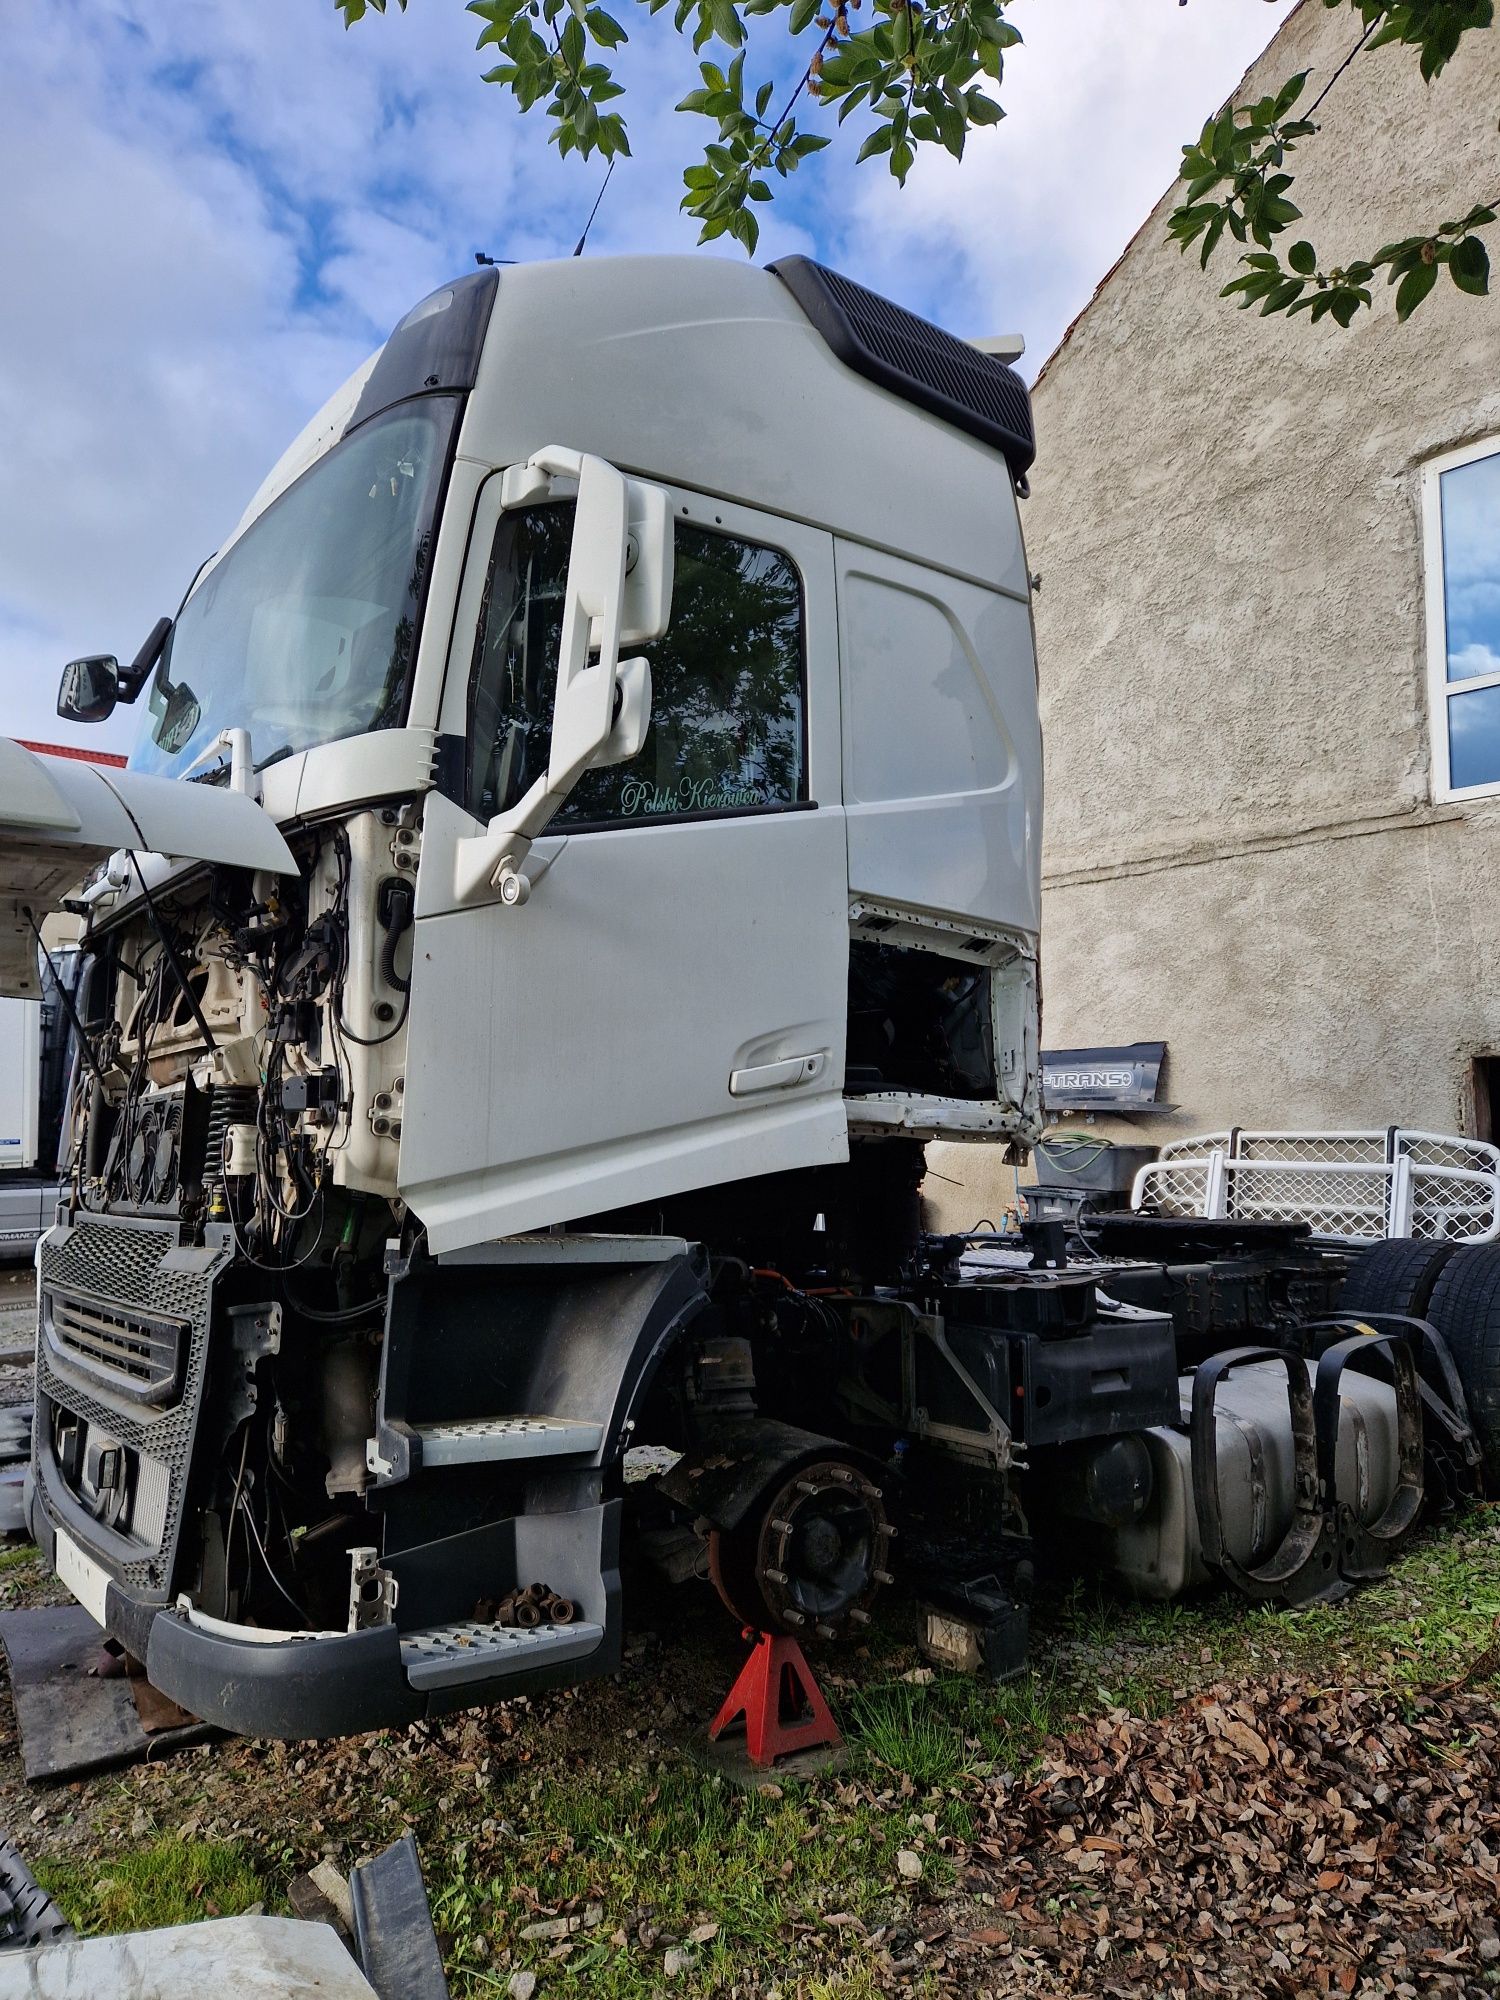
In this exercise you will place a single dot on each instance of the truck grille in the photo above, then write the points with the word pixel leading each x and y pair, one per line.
pixel 146 1281
pixel 138 1354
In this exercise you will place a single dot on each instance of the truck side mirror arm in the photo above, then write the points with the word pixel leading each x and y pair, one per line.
pixel 618 591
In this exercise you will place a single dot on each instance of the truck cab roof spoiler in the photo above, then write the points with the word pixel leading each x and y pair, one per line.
pixel 60 818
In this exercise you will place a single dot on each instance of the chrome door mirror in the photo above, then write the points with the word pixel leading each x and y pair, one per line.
pixel 90 688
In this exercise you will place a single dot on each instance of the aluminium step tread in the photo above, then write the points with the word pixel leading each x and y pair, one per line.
pixel 479 1439
pixel 469 1650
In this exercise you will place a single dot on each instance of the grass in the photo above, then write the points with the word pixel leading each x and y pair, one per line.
pixel 167 1881
pixel 589 1805
pixel 674 1848
pixel 903 1729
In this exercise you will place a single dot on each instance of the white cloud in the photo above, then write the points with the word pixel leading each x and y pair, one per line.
pixel 1100 98
pixel 1472 660
pixel 213 212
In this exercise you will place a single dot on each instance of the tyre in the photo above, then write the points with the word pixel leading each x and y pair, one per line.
pixel 1394 1277
pixel 1465 1309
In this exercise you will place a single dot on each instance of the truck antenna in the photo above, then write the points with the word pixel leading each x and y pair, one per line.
pixel 578 246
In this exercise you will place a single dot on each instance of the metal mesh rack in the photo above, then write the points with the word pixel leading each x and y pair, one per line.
pixel 1348 1187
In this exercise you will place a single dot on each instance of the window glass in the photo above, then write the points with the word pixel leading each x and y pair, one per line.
pixel 1471 568
pixel 1474 737
pixel 306 630
pixel 1465 630
pixel 726 681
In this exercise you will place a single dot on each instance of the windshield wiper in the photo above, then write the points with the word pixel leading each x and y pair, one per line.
pixel 221 772
pixel 242 766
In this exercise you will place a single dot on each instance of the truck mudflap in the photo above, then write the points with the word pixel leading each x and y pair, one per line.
pixel 1335 1537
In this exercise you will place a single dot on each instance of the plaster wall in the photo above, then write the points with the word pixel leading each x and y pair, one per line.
pixel 1243 857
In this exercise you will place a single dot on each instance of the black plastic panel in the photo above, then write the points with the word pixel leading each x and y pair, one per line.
pixel 398 1949
pixel 916 360
pixel 331 1686
pixel 1111 1376
pixel 436 347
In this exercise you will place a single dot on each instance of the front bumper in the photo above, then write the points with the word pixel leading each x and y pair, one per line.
pixel 340 1684
pixel 333 1683
pixel 124 1415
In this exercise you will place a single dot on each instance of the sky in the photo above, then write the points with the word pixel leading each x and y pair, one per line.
pixel 214 211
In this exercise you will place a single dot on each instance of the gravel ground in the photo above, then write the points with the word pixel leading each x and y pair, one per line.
pixel 17 1324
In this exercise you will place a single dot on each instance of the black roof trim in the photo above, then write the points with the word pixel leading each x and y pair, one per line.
pixel 436 346
pixel 916 360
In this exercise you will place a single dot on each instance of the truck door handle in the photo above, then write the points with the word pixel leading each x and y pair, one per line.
pixel 776 1075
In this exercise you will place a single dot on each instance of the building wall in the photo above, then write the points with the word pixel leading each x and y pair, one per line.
pixel 1243 854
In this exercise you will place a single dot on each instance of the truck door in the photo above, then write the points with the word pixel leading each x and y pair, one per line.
pixel 666 1008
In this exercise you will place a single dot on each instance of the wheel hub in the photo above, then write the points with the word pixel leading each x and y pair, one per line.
pixel 809 1555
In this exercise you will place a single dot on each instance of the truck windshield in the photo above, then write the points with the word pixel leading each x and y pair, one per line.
pixel 306 631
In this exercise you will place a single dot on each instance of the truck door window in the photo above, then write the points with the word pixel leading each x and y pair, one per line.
pixel 726 730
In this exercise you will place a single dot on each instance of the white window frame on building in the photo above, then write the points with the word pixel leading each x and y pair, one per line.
pixel 1440 689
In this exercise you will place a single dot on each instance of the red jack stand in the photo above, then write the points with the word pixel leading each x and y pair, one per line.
pixel 779 1700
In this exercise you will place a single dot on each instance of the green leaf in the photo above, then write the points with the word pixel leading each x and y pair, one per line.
pixel 1413 288
pixel 1278 299
pixel 879 141
pixel 726 22
pixel 1303 258
pixel 1290 91
pixel 1469 266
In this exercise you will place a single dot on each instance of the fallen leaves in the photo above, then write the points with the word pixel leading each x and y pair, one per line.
pixel 1232 1728
pixel 1268 1839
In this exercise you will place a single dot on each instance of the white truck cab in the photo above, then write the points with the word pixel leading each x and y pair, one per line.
pixel 583 839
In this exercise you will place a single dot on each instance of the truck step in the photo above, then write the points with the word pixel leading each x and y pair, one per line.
pixel 506 1437
pixel 452 1655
